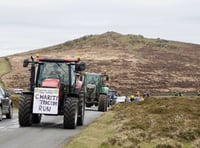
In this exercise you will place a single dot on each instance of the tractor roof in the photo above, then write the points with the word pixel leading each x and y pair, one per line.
pixel 57 60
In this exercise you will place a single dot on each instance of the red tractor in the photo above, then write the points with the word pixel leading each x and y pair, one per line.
pixel 53 91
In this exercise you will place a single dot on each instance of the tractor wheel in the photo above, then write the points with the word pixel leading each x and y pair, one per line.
pixel 36 118
pixel 10 114
pixel 70 113
pixel 81 109
pixel 0 113
pixel 25 110
pixel 103 103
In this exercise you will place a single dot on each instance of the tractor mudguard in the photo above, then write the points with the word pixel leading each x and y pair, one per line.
pixel 27 92
pixel 104 90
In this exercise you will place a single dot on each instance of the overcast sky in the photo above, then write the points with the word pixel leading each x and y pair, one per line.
pixel 32 24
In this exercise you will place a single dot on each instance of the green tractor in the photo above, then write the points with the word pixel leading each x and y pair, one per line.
pixel 96 93
pixel 53 91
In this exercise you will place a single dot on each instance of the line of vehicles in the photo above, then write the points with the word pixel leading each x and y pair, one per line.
pixel 58 87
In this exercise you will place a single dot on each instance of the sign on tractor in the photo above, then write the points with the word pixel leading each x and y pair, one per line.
pixel 45 100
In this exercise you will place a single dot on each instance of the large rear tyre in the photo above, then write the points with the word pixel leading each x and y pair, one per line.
pixel 81 109
pixel 70 113
pixel 10 114
pixel 103 103
pixel 25 110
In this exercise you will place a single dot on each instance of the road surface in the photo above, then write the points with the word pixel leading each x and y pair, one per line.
pixel 49 133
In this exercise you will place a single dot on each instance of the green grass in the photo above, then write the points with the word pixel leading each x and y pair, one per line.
pixel 117 40
pixel 95 134
pixel 6 68
pixel 15 100
pixel 153 123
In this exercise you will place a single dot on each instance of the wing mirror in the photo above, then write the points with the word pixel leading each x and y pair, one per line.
pixel 81 66
pixel 26 62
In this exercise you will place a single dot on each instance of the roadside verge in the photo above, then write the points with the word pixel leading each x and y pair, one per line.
pixel 5 68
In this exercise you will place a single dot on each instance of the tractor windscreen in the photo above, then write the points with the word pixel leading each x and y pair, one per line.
pixel 92 79
pixel 56 70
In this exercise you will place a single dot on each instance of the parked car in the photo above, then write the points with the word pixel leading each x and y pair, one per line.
pixel 6 107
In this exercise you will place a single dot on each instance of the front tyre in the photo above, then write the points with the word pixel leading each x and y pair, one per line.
pixel 25 110
pixel 10 114
pixel 103 103
pixel 70 113
pixel 81 109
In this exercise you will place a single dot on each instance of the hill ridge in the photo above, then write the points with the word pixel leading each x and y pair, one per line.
pixel 132 61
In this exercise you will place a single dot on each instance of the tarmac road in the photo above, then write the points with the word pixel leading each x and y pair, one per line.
pixel 49 133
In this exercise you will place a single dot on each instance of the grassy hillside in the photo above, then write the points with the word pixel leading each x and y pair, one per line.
pixel 132 61
pixel 5 68
pixel 154 123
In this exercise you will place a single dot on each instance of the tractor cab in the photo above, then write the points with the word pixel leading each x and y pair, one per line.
pixel 55 71
pixel 96 91
pixel 54 74
pixel 92 82
pixel 59 75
